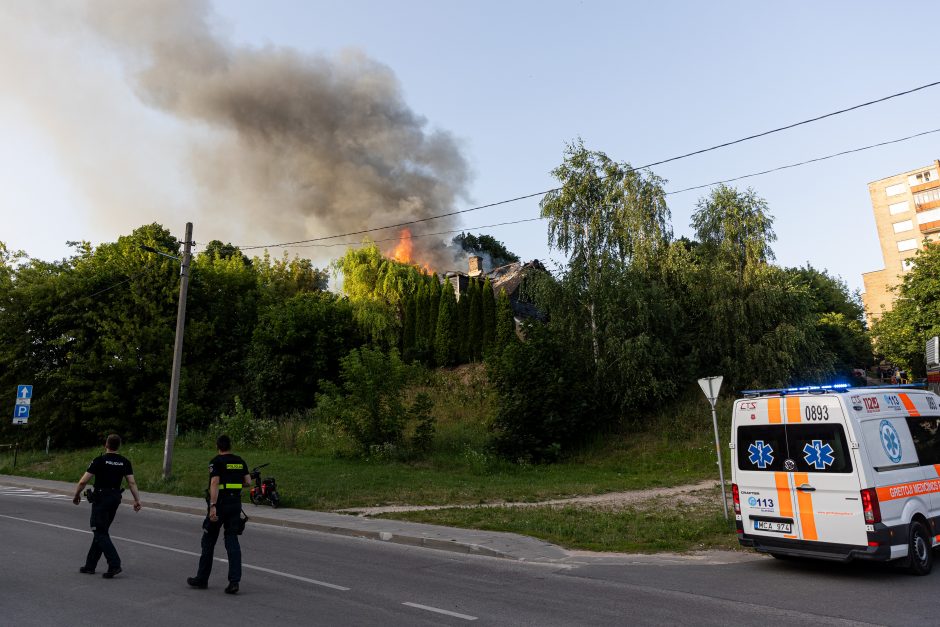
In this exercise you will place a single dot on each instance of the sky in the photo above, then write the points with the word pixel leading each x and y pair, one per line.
pixel 475 102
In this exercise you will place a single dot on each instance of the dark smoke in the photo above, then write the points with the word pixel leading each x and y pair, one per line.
pixel 291 145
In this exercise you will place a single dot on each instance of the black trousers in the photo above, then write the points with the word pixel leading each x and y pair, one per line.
pixel 228 515
pixel 102 515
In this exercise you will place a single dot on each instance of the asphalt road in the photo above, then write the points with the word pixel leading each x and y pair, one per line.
pixel 295 577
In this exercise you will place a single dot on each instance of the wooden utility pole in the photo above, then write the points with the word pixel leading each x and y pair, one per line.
pixel 177 354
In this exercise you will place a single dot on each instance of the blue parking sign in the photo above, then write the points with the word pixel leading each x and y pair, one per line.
pixel 24 398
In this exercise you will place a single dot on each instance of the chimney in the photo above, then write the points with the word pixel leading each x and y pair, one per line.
pixel 476 266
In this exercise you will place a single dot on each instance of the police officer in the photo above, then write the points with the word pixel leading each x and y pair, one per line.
pixel 228 473
pixel 109 470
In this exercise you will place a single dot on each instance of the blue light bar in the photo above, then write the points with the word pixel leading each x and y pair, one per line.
pixel 835 387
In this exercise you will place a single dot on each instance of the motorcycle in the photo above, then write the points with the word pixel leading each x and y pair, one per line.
pixel 263 492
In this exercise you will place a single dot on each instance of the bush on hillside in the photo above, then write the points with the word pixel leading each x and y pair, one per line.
pixel 546 403
pixel 369 403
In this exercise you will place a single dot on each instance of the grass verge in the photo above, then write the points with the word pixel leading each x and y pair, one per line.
pixel 660 524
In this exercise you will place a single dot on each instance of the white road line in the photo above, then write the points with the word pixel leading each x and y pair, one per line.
pixel 184 552
pixel 27 493
pixel 438 610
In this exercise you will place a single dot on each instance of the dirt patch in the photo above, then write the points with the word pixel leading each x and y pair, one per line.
pixel 691 493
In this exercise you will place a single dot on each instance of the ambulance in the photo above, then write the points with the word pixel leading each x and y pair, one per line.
pixel 838 473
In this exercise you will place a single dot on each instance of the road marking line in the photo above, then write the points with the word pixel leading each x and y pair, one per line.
pixel 185 552
pixel 438 610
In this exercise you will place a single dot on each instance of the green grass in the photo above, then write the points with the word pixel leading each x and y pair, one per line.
pixel 654 526
pixel 314 470
pixel 325 482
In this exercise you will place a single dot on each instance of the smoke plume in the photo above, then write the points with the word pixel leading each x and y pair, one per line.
pixel 280 145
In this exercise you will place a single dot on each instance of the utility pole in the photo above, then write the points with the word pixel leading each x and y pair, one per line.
pixel 177 354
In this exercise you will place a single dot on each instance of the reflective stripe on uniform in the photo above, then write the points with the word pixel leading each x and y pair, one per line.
pixel 233 486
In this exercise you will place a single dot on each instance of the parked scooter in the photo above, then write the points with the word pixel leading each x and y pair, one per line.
pixel 263 492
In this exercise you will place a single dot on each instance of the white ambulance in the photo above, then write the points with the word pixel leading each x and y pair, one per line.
pixel 838 473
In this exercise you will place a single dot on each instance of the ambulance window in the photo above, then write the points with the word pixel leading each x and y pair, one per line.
pixel 819 448
pixel 925 430
pixel 761 447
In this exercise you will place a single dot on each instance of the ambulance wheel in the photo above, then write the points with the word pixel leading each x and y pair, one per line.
pixel 919 550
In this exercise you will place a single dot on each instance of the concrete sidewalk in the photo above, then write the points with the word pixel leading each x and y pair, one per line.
pixel 489 543
pixel 493 544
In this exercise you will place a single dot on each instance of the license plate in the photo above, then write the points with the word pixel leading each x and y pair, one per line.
pixel 778 527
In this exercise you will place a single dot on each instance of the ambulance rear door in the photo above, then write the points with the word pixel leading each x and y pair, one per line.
pixel 822 470
pixel 796 470
pixel 760 438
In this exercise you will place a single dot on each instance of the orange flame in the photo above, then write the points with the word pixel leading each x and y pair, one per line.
pixel 404 252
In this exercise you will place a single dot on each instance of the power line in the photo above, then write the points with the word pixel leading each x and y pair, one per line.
pixel 794 165
pixel 111 287
pixel 413 236
pixel 631 169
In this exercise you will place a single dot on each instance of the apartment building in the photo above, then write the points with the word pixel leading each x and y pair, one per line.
pixel 907 213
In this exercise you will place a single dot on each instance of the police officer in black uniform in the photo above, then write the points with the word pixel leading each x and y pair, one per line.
pixel 228 473
pixel 109 470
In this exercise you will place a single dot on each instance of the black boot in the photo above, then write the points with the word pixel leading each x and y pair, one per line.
pixel 197 583
pixel 232 588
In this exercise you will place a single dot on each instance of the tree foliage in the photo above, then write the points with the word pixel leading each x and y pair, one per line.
pixel 901 334
pixel 486 246
pixel 369 401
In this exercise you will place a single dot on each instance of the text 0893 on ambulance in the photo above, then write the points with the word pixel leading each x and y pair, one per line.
pixel 841 474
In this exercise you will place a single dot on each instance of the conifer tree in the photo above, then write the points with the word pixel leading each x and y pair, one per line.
pixel 476 321
pixel 445 340
pixel 505 323
pixel 434 305
pixel 421 323
pixel 463 327
pixel 488 306
pixel 408 329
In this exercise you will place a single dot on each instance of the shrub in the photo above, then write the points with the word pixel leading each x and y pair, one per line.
pixel 546 399
pixel 369 404
pixel 243 428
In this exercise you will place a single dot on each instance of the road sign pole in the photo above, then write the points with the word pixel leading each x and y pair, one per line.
pixel 711 386
pixel 177 354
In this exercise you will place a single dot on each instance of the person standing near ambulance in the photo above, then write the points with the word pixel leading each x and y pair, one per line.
pixel 228 474
pixel 109 470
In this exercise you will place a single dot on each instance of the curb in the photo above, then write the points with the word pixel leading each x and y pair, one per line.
pixel 152 501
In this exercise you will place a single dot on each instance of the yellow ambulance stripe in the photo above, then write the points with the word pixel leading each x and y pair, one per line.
pixel 783 494
pixel 804 501
pixel 793 409
pixel 909 405
pixel 773 410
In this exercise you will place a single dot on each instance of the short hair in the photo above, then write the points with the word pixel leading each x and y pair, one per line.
pixel 223 443
pixel 113 442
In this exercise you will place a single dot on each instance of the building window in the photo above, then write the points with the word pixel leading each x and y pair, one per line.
pixel 907 264
pixel 894 190
pixel 930 195
pixel 907 244
pixel 932 215
pixel 922 177
pixel 905 225
pixel 898 207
